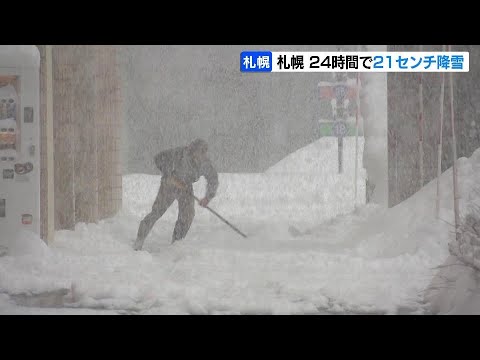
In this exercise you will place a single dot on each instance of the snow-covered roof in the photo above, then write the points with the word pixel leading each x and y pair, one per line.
pixel 18 56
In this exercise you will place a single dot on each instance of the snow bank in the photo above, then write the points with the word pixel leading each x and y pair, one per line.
pixel 455 290
pixel 321 158
pixel 27 243
pixel 303 187
pixel 456 287
pixel 257 197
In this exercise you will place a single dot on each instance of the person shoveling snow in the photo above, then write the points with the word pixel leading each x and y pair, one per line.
pixel 180 168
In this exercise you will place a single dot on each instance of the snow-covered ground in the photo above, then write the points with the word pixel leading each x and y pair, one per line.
pixel 456 287
pixel 308 251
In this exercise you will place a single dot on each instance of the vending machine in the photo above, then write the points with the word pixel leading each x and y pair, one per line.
pixel 19 141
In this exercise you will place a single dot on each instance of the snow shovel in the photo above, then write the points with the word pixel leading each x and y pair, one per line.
pixel 179 185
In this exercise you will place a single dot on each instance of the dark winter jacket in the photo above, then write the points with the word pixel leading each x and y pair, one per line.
pixel 179 163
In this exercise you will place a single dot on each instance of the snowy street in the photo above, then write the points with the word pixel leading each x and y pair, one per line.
pixel 216 271
pixel 370 260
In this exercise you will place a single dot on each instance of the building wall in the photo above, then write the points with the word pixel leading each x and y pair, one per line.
pixel 373 106
pixel 43 141
pixel 403 122
pixel 87 121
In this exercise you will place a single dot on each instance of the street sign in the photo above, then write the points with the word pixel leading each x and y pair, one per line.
pixel 340 128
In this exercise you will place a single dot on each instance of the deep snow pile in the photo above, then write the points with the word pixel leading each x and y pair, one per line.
pixel 304 187
pixel 456 287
